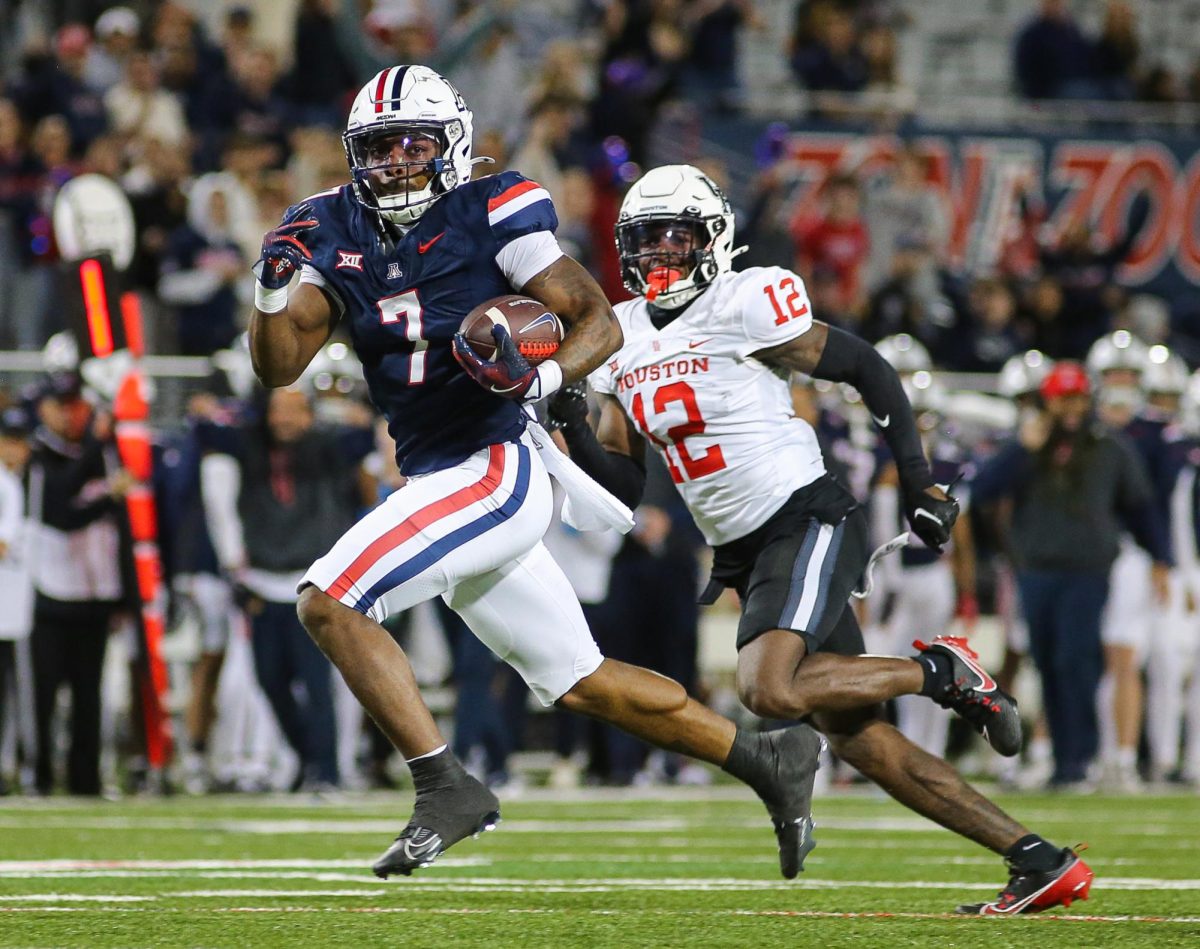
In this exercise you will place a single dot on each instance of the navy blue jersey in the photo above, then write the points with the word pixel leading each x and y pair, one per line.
pixel 404 301
pixel 1163 448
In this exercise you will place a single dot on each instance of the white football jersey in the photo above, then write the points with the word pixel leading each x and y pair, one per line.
pixel 721 421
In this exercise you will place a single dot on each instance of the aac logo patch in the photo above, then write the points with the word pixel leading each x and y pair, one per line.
pixel 347 260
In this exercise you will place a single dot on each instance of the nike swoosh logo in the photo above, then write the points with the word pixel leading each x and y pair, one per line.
pixel 421 248
pixel 882 422
pixel 921 512
pixel 701 343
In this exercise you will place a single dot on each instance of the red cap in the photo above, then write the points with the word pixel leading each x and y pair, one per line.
pixel 72 40
pixel 1066 378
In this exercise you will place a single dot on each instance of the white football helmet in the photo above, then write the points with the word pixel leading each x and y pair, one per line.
pixel 1165 373
pixel 925 392
pixel 1117 350
pixel 1023 373
pixel 675 206
pixel 407 101
pixel 905 353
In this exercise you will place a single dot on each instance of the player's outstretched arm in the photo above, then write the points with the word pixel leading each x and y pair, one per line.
pixel 827 352
pixel 283 343
pixel 593 333
pixel 615 455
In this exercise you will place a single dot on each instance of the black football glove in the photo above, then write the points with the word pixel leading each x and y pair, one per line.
pixel 283 250
pixel 507 374
pixel 568 407
pixel 932 519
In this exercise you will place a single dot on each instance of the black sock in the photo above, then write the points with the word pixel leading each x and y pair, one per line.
pixel 937 671
pixel 746 761
pixel 1033 854
pixel 437 772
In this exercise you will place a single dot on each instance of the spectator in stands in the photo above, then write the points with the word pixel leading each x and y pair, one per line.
pixel 156 190
pixel 286 497
pixel 1052 57
pixel 907 207
pixel 204 88
pixel 53 85
pixel 16 584
pixel 1116 52
pixel 576 209
pixel 1160 85
pixel 259 109
pixel 908 303
pixel 117 31
pixel 26 261
pixel 73 500
pixel 992 336
pixel 323 77
pixel 237 32
pixel 483 737
pixel 1045 315
pixel 139 109
pixel 825 53
pixel 1085 266
pixel 640 68
pixel 712 67
pixel 586 558
pixel 1072 484
pixel 837 239
pixel 544 143
pixel 203 267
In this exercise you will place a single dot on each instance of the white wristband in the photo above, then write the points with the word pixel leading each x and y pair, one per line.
pixel 549 379
pixel 270 301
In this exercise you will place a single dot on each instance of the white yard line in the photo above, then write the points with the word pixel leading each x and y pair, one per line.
pixel 297 869
pixel 1042 919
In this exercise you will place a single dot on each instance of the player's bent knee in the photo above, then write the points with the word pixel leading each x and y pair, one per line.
pixel 317 612
pixel 770 697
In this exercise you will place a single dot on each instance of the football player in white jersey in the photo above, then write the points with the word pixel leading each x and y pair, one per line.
pixel 703 377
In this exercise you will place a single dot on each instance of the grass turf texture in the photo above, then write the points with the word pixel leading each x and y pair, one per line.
pixel 669 868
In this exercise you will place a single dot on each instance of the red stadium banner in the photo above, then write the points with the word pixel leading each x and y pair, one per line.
pixel 986 180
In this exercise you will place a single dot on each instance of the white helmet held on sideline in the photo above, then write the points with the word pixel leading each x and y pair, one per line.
pixel 904 353
pixel 925 392
pixel 1023 373
pixel 1165 373
pixel 415 110
pixel 1117 350
pixel 674 235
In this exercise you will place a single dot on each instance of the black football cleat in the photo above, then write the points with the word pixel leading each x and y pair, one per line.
pixel 439 821
pixel 974 695
pixel 1033 892
pixel 791 757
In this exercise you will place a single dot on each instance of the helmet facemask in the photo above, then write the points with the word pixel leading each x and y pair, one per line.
pixel 387 160
pixel 668 259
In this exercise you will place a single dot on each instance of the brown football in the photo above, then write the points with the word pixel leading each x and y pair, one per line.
pixel 536 331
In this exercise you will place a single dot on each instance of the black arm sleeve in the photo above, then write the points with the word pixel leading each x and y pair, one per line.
pixel 849 359
pixel 625 477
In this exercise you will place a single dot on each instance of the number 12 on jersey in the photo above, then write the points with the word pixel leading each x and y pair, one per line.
pixel 406 308
pixel 790 294
pixel 713 458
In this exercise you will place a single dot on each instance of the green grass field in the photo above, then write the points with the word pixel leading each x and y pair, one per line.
pixel 673 867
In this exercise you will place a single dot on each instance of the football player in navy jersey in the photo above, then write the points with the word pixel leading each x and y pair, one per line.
pixel 401 254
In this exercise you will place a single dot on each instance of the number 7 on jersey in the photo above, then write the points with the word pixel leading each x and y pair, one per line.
pixel 406 308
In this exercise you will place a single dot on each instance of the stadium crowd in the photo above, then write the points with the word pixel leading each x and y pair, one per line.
pixel 211 133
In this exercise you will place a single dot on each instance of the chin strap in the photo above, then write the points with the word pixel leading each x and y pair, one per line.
pixel 482 160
